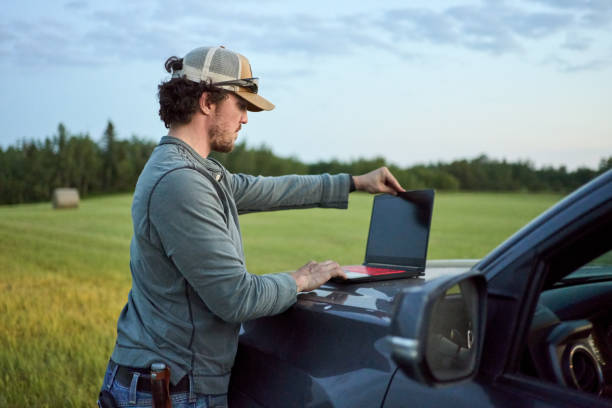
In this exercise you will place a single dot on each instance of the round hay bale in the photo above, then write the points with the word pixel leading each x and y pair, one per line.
pixel 65 198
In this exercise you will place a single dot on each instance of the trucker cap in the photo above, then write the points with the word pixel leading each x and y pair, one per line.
pixel 225 69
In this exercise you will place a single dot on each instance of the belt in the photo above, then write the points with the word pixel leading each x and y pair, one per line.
pixel 124 377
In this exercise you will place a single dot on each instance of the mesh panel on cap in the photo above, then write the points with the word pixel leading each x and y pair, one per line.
pixel 225 63
pixel 196 58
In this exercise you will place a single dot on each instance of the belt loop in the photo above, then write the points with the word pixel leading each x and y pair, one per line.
pixel 133 388
pixel 192 395
pixel 113 374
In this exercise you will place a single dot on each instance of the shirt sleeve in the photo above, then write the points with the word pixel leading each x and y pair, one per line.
pixel 287 192
pixel 188 216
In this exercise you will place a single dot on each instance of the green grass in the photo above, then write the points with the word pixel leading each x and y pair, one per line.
pixel 64 275
pixel 464 225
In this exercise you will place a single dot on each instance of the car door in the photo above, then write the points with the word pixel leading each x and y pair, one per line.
pixel 569 235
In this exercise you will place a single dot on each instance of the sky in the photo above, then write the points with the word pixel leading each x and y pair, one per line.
pixel 415 82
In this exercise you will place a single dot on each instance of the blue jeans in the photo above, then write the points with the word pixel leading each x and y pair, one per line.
pixel 128 396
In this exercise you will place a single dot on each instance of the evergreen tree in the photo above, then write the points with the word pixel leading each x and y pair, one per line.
pixel 110 165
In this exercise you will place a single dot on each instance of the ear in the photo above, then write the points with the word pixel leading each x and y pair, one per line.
pixel 205 106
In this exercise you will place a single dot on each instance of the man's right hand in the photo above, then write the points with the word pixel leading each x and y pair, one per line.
pixel 314 274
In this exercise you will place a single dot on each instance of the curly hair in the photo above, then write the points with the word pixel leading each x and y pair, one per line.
pixel 179 97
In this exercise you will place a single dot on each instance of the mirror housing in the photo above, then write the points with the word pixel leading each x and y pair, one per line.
pixel 438 329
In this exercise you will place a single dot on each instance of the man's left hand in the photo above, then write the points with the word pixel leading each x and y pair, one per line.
pixel 378 181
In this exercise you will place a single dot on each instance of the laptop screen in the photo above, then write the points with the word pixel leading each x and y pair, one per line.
pixel 399 229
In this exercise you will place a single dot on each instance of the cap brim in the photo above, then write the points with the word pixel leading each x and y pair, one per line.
pixel 256 103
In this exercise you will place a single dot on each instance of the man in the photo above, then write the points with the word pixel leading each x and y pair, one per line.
pixel 190 289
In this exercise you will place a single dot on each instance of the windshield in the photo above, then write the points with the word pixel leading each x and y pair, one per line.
pixel 598 268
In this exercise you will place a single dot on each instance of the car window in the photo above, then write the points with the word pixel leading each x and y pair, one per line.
pixel 599 268
pixel 570 339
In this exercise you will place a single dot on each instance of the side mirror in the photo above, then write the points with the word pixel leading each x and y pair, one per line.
pixel 438 329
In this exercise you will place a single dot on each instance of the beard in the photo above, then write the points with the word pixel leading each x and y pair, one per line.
pixel 221 140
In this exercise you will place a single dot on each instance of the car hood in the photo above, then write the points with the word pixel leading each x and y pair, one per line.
pixel 375 299
pixel 308 352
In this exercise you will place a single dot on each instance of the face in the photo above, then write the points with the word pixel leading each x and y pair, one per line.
pixel 228 117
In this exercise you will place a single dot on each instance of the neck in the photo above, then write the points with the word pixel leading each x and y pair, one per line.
pixel 194 134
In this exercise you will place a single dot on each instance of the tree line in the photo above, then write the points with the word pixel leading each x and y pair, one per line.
pixel 31 170
pixel 479 174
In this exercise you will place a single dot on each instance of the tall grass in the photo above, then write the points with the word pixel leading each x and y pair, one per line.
pixel 64 275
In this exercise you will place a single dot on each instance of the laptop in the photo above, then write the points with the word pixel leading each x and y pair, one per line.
pixel 398 238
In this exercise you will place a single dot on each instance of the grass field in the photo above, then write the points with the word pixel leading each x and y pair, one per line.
pixel 64 275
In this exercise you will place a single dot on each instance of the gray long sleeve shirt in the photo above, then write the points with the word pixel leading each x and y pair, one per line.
pixel 190 288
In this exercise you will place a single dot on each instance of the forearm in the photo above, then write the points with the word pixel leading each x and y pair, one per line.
pixel 293 191
pixel 239 296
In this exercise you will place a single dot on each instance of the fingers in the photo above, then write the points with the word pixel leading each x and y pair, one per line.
pixel 339 273
pixel 327 267
pixel 333 269
pixel 309 265
pixel 390 180
pixel 378 181
pixel 314 274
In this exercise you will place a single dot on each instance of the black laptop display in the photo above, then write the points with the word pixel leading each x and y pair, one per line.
pixel 398 237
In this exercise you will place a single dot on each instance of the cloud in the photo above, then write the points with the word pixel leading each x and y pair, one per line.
pixel 591 65
pixel 418 25
pixel 570 67
pixel 538 25
pixel 46 42
pixel 593 14
pixel 152 30
pixel 576 42
pixel 76 5
pixel 495 29
pixel 485 28
pixel 596 6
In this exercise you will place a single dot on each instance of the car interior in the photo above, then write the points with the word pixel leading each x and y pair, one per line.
pixel 570 338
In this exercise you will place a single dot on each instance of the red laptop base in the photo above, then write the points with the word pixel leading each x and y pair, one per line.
pixel 369 270
pixel 363 273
